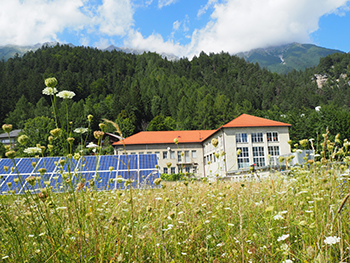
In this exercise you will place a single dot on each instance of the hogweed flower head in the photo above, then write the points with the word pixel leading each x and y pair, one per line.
pixel 6 168
pixel 10 154
pixel 70 140
pixel 81 130
pixel 98 134
pixel 214 142
pixel 65 94
pixel 90 117
pixel 76 156
pixel 31 180
pixel 168 164
pixel 32 150
pixel 56 132
pixel 23 139
pixel 42 171
pixel 157 181
pixel 49 91
pixel 7 127
pixel 176 141
pixel 51 82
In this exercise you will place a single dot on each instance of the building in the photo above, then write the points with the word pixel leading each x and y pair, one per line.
pixel 10 138
pixel 185 156
pixel 244 141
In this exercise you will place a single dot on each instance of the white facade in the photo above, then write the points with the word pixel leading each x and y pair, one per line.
pixel 257 145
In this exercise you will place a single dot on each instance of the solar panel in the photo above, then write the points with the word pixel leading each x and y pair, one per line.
pixel 104 172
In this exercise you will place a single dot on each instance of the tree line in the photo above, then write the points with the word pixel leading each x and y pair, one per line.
pixel 148 92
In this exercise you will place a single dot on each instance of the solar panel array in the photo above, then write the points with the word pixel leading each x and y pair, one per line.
pixel 104 172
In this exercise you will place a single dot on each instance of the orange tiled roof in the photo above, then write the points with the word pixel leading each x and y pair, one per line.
pixel 157 137
pixel 246 120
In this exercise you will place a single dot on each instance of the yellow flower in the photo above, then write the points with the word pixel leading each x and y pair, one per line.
pixel 70 140
pixel 90 117
pixel 7 127
pixel 56 132
pixel 51 82
pixel 176 141
pixel 214 142
pixel 98 134
pixel 42 171
pixel 10 154
pixel 23 139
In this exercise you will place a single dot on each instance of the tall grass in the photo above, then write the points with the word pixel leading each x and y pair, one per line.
pixel 281 218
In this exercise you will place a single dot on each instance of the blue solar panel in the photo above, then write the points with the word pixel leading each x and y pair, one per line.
pixel 100 172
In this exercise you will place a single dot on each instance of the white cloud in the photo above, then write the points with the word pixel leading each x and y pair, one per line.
pixel 176 25
pixel 154 43
pixel 204 9
pixel 32 21
pixel 162 3
pixel 115 17
pixel 241 25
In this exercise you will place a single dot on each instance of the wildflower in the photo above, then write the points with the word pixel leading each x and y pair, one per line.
pixel 42 171
pixel 98 134
pixel 6 168
pixel 283 237
pixel 49 91
pixel 157 181
pixel 101 125
pixel 287 261
pixel 303 143
pixel 168 164
pixel 32 150
pixel 7 127
pixel 70 140
pixel 10 154
pixel 81 130
pixel 176 141
pixel 51 82
pixel 214 142
pixel 111 168
pixel 16 180
pixel 332 240
pixel 56 132
pixel 23 139
pixel 50 147
pixel 278 217
pixel 50 139
pixel 65 94
pixel 9 184
pixel 31 180
pixel 318 108
pixel 90 117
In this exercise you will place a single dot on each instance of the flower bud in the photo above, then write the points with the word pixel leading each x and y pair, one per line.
pixel 51 82
pixel 7 127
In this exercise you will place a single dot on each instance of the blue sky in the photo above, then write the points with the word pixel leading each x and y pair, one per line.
pixel 180 27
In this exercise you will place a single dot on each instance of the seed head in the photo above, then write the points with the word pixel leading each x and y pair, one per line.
pixel 90 117
pixel 23 139
pixel 51 82
pixel 56 132
pixel 176 141
pixel 10 154
pixel 7 127
pixel 214 142
pixel 98 134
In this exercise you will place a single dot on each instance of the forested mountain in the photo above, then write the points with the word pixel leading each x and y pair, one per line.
pixel 146 91
pixel 285 58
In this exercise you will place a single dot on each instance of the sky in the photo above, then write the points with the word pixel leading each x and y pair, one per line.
pixel 180 27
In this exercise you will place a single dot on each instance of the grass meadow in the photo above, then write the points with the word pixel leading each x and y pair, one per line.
pixel 299 217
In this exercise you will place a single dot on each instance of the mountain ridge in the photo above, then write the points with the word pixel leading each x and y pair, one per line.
pixel 279 59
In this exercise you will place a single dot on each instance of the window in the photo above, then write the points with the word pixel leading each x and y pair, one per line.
pixel 194 170
pixel 165 155
pixel 187 156
pixel 158 155
pixel 257 137
pixel 140 152
pixel 194 154
pixel 272 136
pixel 172 170
pixel 187 169
pixel 179 169
pixel 133 153
pixel 243 157
pixel 165 170
pixel 241 137
pixel 172 154
pixel 205 160
pixel 149 152
pixel 274 152
pixel 258 156
pixel 179 157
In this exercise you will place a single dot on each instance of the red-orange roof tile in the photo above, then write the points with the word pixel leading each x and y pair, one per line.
pixel 157 137
pixel 246 120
